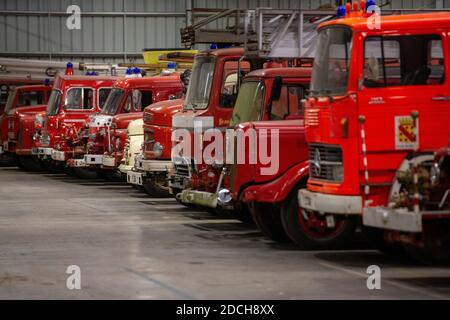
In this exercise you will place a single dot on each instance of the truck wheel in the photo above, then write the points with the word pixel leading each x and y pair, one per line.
pixel 309 230
pixel 50 167
pixel 30 163
pixel 84 173
pixel 242 214
pixel 157 186
pixel 110 176
pixel 69 171
pixel 268 219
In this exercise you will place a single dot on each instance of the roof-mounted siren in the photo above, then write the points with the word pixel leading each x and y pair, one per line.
pixel 129 73
pixel 69 69
pixel 46 82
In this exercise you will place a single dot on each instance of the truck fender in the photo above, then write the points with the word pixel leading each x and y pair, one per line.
pixel 277 190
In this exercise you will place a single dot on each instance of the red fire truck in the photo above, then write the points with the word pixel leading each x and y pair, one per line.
pixel 269 102
pixel 73 99
pixel 21 100
pixel 102 139
pixel 210 97
pixel 379 102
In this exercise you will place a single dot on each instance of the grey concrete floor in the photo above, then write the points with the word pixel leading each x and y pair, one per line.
pixel 130 246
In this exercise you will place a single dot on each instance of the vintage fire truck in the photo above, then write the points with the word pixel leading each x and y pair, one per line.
pixel 102 138
pixel 210 97
pixel 22 100
pixel 380 101
pixel 73 99
pixel 133 145
pixel 269 102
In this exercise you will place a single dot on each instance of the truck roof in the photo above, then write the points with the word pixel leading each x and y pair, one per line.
pixel 87 78
pixel 147 81
pixel 434 20
pixel 35 87
pixel 283 72
pixel 235 51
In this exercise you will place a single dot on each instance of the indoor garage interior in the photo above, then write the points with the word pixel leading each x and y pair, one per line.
pixel 329 177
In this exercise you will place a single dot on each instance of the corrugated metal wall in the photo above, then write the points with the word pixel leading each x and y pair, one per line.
pixel 39 33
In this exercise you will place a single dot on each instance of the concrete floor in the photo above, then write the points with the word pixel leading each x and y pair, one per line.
pixel 131 246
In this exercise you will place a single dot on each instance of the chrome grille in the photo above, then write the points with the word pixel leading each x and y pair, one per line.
pixel 323 160
pixel 182 167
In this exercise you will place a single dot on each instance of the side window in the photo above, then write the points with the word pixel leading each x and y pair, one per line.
pixel 102 96
pixel 147 99
pixel 280 107
pixel 290 103
pixel 79 99
pixel 30 98
pixel 295 96
pixel 228 92
pixel 403 61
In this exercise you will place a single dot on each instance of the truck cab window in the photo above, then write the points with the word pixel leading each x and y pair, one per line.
pixel 289 104
pixel 30 98
pixel 403 61
pixel 228 92
pixel 102 96
pixel 79 99
pixel 146 100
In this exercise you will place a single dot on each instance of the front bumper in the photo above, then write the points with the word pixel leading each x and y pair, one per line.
pixel 327 203
pixel 108 161
pixel 136 178
pixel 93 159
pixel 41 151
pixel 392 219
pixel 59 155
pixel 76 163
pixel 201 198
pixel 154 165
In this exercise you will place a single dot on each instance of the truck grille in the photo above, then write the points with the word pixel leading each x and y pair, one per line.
pixel 325 162
pixel 183 167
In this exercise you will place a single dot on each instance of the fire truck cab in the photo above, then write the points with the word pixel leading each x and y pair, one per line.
pixel 103 136
pixel 73 99
pixel 19 98
pixel 379 99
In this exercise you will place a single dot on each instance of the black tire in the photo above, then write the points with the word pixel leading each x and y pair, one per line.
pixel 157 186
pixel 30 163
pixel 6 160
pixel 375 237
pixel 268 219
pixel 51 167
pixel 332 238
pixel 111 176
pixel 84 173
pixel 242 214
pixel 69 171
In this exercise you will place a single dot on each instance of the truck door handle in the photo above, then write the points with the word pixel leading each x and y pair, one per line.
pixel 441 98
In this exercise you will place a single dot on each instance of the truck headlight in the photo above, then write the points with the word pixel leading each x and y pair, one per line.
pixel 158 148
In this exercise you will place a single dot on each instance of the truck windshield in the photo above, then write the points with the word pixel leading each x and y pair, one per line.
pixel 113 101
pixel 332 61
pixel 54 103
pixel 9 102
pixel 249 103
pixel 200 84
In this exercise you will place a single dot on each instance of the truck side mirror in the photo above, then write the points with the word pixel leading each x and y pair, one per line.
pixel 276 88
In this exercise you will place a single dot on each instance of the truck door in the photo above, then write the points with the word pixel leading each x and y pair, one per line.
pixel 402 74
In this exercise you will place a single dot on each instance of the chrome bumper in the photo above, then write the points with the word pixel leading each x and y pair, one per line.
pixel 108 161
pixel 41 151
pixel 92 159
pixel 154 165
pixel 392 219
pixel 327 203
pixel 201 198
pixel 59 155
pixel 76 163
